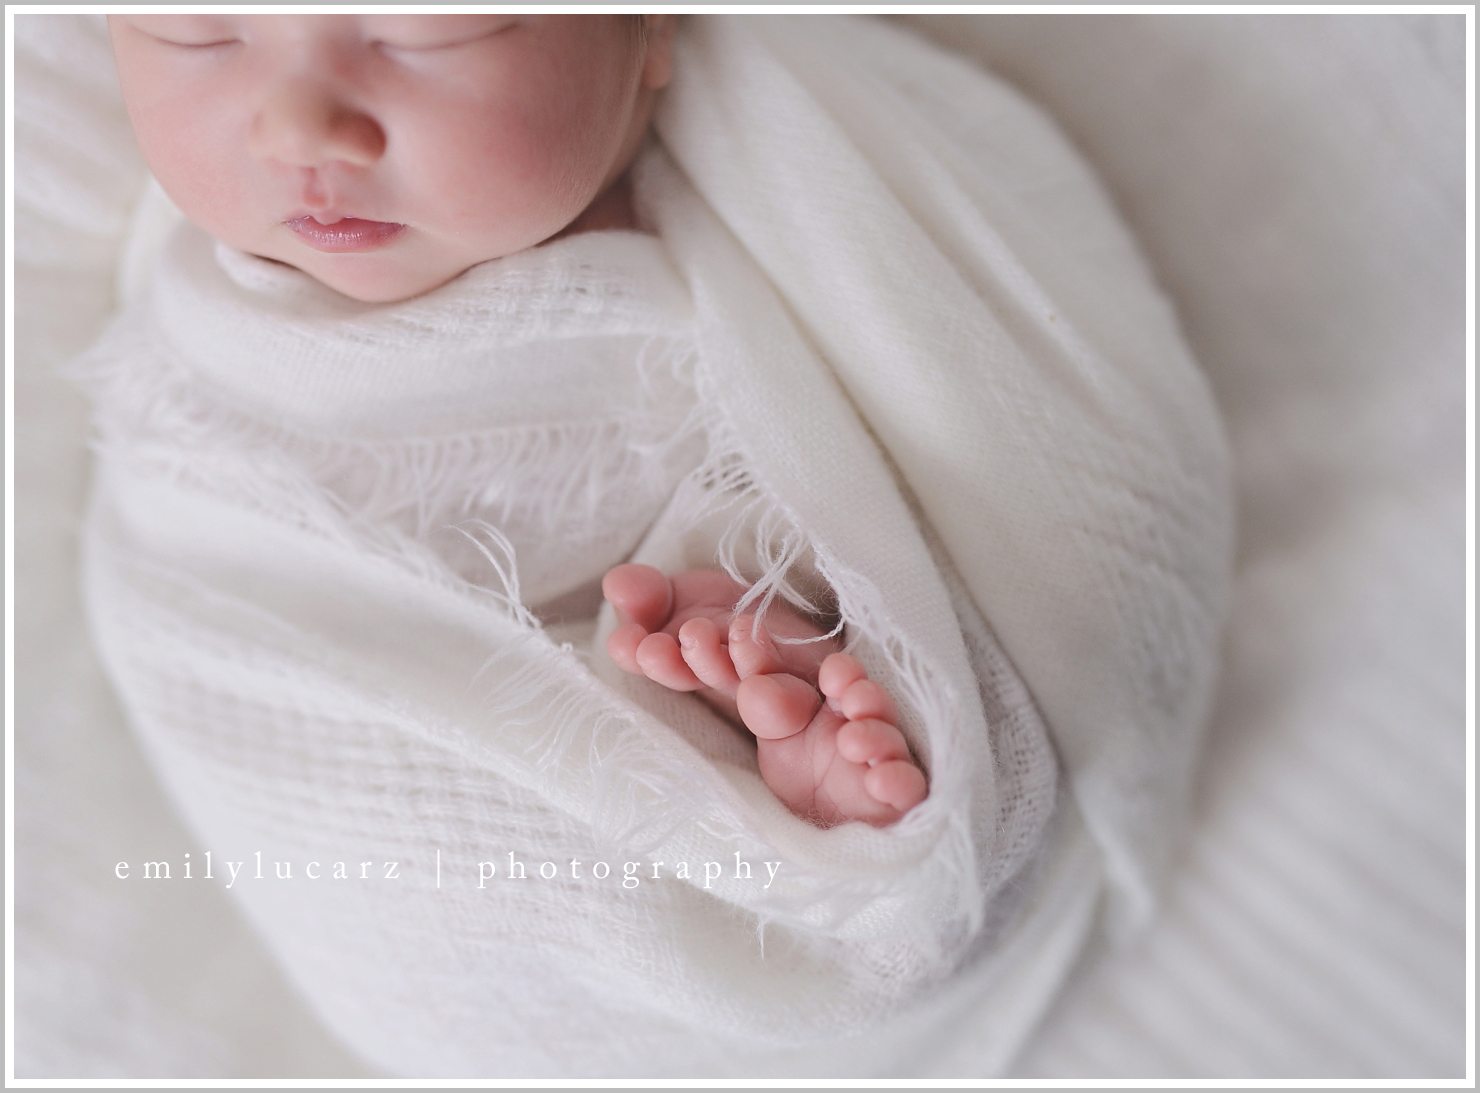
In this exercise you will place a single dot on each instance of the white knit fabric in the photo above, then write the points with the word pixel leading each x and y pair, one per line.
pixel 967 412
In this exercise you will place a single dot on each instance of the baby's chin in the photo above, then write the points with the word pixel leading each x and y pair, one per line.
pixel 377 282
pixel 391 288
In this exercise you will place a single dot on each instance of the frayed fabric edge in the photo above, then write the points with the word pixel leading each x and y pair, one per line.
pixel 150 411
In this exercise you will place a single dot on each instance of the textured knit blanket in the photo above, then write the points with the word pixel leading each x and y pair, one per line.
pixel 886 334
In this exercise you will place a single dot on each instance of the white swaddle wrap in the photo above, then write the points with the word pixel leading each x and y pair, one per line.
pixel 889 334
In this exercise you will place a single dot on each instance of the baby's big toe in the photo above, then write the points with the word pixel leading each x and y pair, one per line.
pixel 776 706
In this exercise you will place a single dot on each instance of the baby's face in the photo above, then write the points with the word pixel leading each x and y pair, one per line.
pixel 428 143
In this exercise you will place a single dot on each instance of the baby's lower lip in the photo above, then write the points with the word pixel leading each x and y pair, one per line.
pixel 349 234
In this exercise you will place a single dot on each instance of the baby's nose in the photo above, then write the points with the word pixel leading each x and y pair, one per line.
pixel 304 126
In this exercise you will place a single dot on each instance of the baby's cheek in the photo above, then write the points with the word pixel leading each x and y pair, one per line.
pixel 213 190
pixel 188 176
pixel 189 153
pixel 511 179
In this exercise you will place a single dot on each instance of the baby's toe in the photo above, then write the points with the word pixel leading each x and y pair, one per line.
pixel 864 698
pixel 660 660
pixel 622 645
pixel 640 593
pixel 751 649
pixel 837 674
pixel 776 706
pixel 699 640
pixel 871 741
pixel 898 783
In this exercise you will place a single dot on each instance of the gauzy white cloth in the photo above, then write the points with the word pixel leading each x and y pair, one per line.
pixel 341 560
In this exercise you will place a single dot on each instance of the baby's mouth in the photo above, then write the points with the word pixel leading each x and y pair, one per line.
pixel 343 233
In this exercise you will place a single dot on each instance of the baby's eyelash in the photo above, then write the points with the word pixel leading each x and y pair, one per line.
pixel 373 43
pixel 198 45
pixel 378 44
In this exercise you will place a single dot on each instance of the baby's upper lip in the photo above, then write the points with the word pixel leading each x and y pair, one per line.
pixel 330 216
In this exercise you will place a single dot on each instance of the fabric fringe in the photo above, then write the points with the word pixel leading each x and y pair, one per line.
pixel 389 495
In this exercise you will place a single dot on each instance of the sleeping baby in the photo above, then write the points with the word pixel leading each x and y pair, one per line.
pixel 387 155
pixel 596 438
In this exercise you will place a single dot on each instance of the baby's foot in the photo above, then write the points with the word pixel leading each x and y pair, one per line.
pixel 674 631
pixel 829 759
